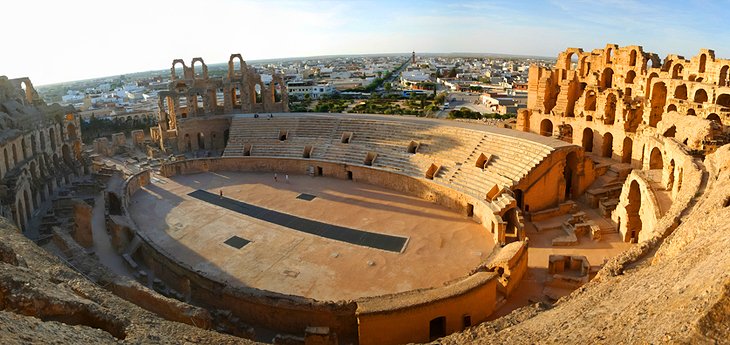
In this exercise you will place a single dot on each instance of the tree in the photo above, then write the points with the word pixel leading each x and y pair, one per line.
pixel 452 73
pixel 387 86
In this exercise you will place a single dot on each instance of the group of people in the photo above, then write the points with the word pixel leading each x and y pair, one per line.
pixel 271 116
pixel 286 178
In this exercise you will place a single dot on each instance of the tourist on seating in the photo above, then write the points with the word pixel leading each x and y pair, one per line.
pixel 286 177
pixel 221 194
pixel 275 178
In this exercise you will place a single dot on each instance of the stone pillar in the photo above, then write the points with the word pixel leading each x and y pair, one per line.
pixel 138 137
pixel 82 223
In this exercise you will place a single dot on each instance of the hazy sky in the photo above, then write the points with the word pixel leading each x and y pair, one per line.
pixel 53 41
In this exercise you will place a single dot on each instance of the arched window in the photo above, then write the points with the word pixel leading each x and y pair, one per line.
pixel 700 96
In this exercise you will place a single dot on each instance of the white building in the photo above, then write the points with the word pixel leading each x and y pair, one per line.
pixel 302 88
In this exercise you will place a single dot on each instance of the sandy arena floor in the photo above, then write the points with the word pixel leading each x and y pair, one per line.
pixel 442 245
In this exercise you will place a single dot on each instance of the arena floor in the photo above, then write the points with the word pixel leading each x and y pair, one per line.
pixel 441 244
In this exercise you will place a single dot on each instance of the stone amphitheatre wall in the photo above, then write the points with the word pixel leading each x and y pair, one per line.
pixel 422 188
pixel 40 149
pixel 202 134
pixel 406 315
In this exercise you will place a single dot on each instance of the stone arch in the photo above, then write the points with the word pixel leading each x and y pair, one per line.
pixel 33 145
pixel 199 103
pixel 607 78
pixel 277 89
pixel 677 71
pixel 71 129
pixel 681 92
pixel 21 214
pixel 52 137
pixel 671 107
pixel 723 78
pixel 648 84
pixel 609 111
pixel 232 66
pixel 512 228
pixel 28 207
pixel 703 62
pixel 15 155
pixel 691 112
pixel 236 96
pixel 33 170
pixel 569 60
pixel 700 96
pixel 6 159
pixel 188 143
pixel 201 141
pixel 714 117
pixel 658 100
pixel 590 101
pixel 546 128
pixel 23 148
pixel 174 74
pixel 66 152
pixel 607 147
pixel 203 68
pixel 609 54
pixel 633 221
pixel 570 175
pixel 520 198
pixel 655 159
pixel 670 132
pixel 630 76
pixel 258 96
pixel 628 146
pixel 723 100
pixel 27 90
pixel 587 140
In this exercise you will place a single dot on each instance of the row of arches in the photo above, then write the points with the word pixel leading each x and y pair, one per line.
pixel 213 140
pixel 15 152
pixel 216 100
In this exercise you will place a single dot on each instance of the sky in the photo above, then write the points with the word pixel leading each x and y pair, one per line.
pixel 55 41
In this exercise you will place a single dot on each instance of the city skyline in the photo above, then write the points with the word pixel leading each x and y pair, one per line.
pixel 57 42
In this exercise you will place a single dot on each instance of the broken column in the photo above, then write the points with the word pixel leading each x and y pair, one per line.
pixel 82 223
pixel 138 138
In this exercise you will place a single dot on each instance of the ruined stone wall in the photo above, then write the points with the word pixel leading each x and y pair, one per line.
pixel 192 94
pixel 40 149
pixel 203 134
pixel 619 91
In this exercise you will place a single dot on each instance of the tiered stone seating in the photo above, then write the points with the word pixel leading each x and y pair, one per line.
pixel 454 149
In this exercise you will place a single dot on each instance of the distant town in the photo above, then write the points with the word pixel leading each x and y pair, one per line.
pixel 486 88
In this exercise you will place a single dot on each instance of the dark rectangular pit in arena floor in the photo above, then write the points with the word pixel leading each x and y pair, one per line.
pixel 237 242
pixel 307 197
pixel 312 227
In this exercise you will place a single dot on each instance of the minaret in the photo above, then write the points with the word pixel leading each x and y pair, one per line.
pixel 413 57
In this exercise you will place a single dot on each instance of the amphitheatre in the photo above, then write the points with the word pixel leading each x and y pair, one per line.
pixel 600 217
